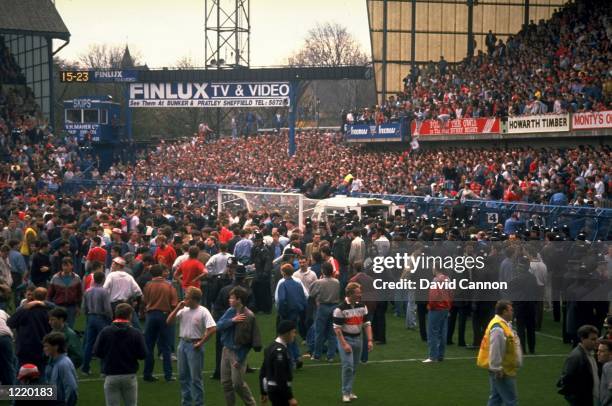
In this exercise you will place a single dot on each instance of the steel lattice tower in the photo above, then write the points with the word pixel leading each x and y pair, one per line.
pixel 227 31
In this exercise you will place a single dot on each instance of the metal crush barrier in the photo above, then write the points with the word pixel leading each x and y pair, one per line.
pixel 596 222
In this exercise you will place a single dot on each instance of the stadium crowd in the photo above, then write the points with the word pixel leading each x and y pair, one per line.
pixel 578 176
pixel 127 263
pixel 145 266
pixel 555 66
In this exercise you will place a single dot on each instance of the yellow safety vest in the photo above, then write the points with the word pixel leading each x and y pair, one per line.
pixel 510 358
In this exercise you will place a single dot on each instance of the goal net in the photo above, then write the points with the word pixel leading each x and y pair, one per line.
pixel 291 206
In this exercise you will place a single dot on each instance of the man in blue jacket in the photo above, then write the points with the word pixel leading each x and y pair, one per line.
pixel 233 358
pixel 60 372
pixel 291 301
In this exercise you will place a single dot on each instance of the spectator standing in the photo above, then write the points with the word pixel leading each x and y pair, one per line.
pixel 31 323
pixel 40 271
pixel 500 353
pixel 440 302
pixel 98 311
pixel 7 355
pixel 196 327
pixel 160 299
pixel 291 300
pixel 165 253
pixel 191 271
pixel 60 371
pixel 66 290
pixel 350 319
pixel 604 357
pixel 74 349
pixel 120 346
pixel 18 270
pixel 326 294
pixel 579 382
pixel 121 286
pixel 233 358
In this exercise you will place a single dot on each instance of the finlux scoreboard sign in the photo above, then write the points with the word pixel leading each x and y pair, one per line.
pixel 207 94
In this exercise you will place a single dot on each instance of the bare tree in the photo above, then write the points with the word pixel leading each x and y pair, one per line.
pixel 104 56
pixel 185 62
pixel 329 44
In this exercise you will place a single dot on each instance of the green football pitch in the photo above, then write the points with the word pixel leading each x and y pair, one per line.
pixel 393 376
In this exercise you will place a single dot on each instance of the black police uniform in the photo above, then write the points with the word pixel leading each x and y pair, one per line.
pixel 275 375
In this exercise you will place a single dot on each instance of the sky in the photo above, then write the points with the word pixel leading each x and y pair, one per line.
pixel 162 32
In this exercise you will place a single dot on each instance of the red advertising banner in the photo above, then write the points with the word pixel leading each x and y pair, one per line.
pixel 592 120
pixel 459 126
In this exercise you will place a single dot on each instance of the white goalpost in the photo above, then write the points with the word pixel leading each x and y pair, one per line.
pixel 294 206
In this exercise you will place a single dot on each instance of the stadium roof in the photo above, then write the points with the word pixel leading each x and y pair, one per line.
pixel 261 74
pixel 34 17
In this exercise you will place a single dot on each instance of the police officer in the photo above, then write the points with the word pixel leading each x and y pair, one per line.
pixel 275 376
pixel 261 258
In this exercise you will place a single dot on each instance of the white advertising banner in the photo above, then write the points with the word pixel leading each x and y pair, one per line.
pixel 539 124
pixel 592 120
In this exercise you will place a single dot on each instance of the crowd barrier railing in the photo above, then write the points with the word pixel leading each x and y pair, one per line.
pixel 596 222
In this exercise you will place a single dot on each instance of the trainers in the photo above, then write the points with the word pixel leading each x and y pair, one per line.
pixel 150 379
pixel 429 360
pixel 353 396
pixel 86 373
pixel 346 398
pixel 173 357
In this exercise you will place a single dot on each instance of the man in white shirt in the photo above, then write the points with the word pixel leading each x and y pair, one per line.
pixel 306 325
pixel 122 287
pixel 217 270
pixel 538 268
pixel 358 248
pixel 196 327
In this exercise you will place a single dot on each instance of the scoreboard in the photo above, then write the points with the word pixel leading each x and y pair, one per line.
pixel 98 76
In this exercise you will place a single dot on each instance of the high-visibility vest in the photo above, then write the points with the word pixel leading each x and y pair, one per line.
pixel 510 359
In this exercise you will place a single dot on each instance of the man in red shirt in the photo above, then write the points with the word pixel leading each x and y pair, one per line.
pixel 440 302
pixel 191 270
pixel 96 253
pixel 164 254
pixel 225 235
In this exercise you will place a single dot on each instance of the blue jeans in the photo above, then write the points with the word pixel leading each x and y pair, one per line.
pixel 157 331
pixel 310 339
pixel 190 366
pixel 95 324
pixel 503 391
pixel 292 348
pixel 349 363
pixel 364 348
pixel 324 331
pixel 437 327
pixel 71 310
